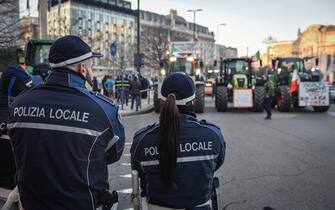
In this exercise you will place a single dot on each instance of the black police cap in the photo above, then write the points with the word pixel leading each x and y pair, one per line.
pixel 181 85
pixel 69 50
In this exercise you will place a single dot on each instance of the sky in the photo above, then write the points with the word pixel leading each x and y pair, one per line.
pixel 248 23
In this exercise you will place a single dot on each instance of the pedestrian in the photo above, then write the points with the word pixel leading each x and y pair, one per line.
pixel 109 86
pixel 118 88
pixel 104 90
pixel 64 136
pixel 126 90
pixel 135 93
pixel 269 94
pixel 14 80
pixel 176 159
pixel 95 84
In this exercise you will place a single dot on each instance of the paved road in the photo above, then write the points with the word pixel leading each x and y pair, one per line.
pixel 285 163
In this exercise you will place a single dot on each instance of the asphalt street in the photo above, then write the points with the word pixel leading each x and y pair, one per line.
pixel 285 163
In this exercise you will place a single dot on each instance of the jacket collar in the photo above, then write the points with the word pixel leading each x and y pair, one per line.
pixel 188 116
pixel 66 77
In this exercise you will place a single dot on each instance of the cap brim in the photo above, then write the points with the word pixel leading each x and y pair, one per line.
pixel 96 55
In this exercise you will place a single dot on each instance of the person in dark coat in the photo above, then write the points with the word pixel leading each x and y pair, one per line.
pixel 135 93
pixel 176 159
pixel 269 94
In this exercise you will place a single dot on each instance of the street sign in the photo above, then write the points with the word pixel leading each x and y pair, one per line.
pixel 113 49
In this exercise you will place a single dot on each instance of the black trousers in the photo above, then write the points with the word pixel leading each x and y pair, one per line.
pixel 268 106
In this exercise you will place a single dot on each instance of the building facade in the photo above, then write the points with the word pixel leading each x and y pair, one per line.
pixel 223 51
pixel 316 41
pixel 158 30
pixel 99 23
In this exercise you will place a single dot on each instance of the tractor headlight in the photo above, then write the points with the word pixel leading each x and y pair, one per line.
pixel 209 84
pixel 163 72
pixel 190 58
pixel 197 72
pixel 173 59
pixel 279 70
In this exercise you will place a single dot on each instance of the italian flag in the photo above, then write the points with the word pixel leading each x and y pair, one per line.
pixel 294 82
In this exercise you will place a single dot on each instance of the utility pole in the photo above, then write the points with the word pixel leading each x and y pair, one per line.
pixel 138 37
pixel 217 50
pixel 194 11
pixel 268 41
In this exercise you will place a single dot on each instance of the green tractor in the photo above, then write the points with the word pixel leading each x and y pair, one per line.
pixel 238 85
pixel 182 60
pixel 310 90
pixel 36 57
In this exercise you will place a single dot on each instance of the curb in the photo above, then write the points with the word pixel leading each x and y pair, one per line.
pixel 142 111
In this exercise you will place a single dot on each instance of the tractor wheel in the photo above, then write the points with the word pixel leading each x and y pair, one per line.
pixel 157 101
pixel 221 98
pixel 199 99
pixel 259 96
pixel 283 99
pixel 320 108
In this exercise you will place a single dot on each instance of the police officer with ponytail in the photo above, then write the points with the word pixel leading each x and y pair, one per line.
pixel 176 159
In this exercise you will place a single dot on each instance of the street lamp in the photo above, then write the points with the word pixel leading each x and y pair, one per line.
pixel 217 51
pixel 194 11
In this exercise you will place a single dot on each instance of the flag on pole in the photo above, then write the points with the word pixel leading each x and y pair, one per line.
pixel 295 81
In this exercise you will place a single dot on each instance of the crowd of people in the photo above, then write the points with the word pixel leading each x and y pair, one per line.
pixel 122 88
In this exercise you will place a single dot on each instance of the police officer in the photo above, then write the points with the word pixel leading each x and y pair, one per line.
pixel 118 88
pixel 126 89
pixel 269 94
pixel 64 136
pixel 14 80
pixel 177 158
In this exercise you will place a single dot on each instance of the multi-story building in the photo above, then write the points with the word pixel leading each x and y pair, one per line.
pixel 316 41
pixel 221 51
pixel 99 23
pixel 164 28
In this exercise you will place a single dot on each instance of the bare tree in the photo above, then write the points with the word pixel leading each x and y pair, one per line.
pixel 9 23
pixel 9 32
pixel 153 45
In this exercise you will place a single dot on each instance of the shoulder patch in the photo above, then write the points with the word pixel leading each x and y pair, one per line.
pixel 104 98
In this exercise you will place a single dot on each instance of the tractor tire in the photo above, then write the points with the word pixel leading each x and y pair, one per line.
pixel 199 105
pixel 157 101
pixel 283 99
pixel 259 97
pixel 221 99
pixel 320 108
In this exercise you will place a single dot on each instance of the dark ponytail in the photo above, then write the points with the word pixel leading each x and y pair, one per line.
pixel 168 140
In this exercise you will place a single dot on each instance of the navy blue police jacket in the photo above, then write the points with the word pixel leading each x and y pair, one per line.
pixel 63 137
pixel 201 152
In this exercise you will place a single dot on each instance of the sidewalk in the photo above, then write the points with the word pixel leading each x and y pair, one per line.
pixel 145 107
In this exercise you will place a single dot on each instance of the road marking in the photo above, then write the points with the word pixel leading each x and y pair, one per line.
pixel 128 209
pixel 125 164
pixel 126 155
pixel 128 143
pixel 126 191
pixel 125 176
pixel 331 114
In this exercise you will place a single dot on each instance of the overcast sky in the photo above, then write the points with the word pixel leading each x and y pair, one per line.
pixel 248 22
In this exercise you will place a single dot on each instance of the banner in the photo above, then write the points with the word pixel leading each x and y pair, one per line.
pixel 313 94
pixel 242 98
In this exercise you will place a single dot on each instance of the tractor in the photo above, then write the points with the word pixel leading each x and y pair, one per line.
pixel 310 91
pixel 238 85
pixel 36 58
pixel 182 57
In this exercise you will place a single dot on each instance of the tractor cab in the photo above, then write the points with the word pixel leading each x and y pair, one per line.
pixel 238 72
pixel 37 54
